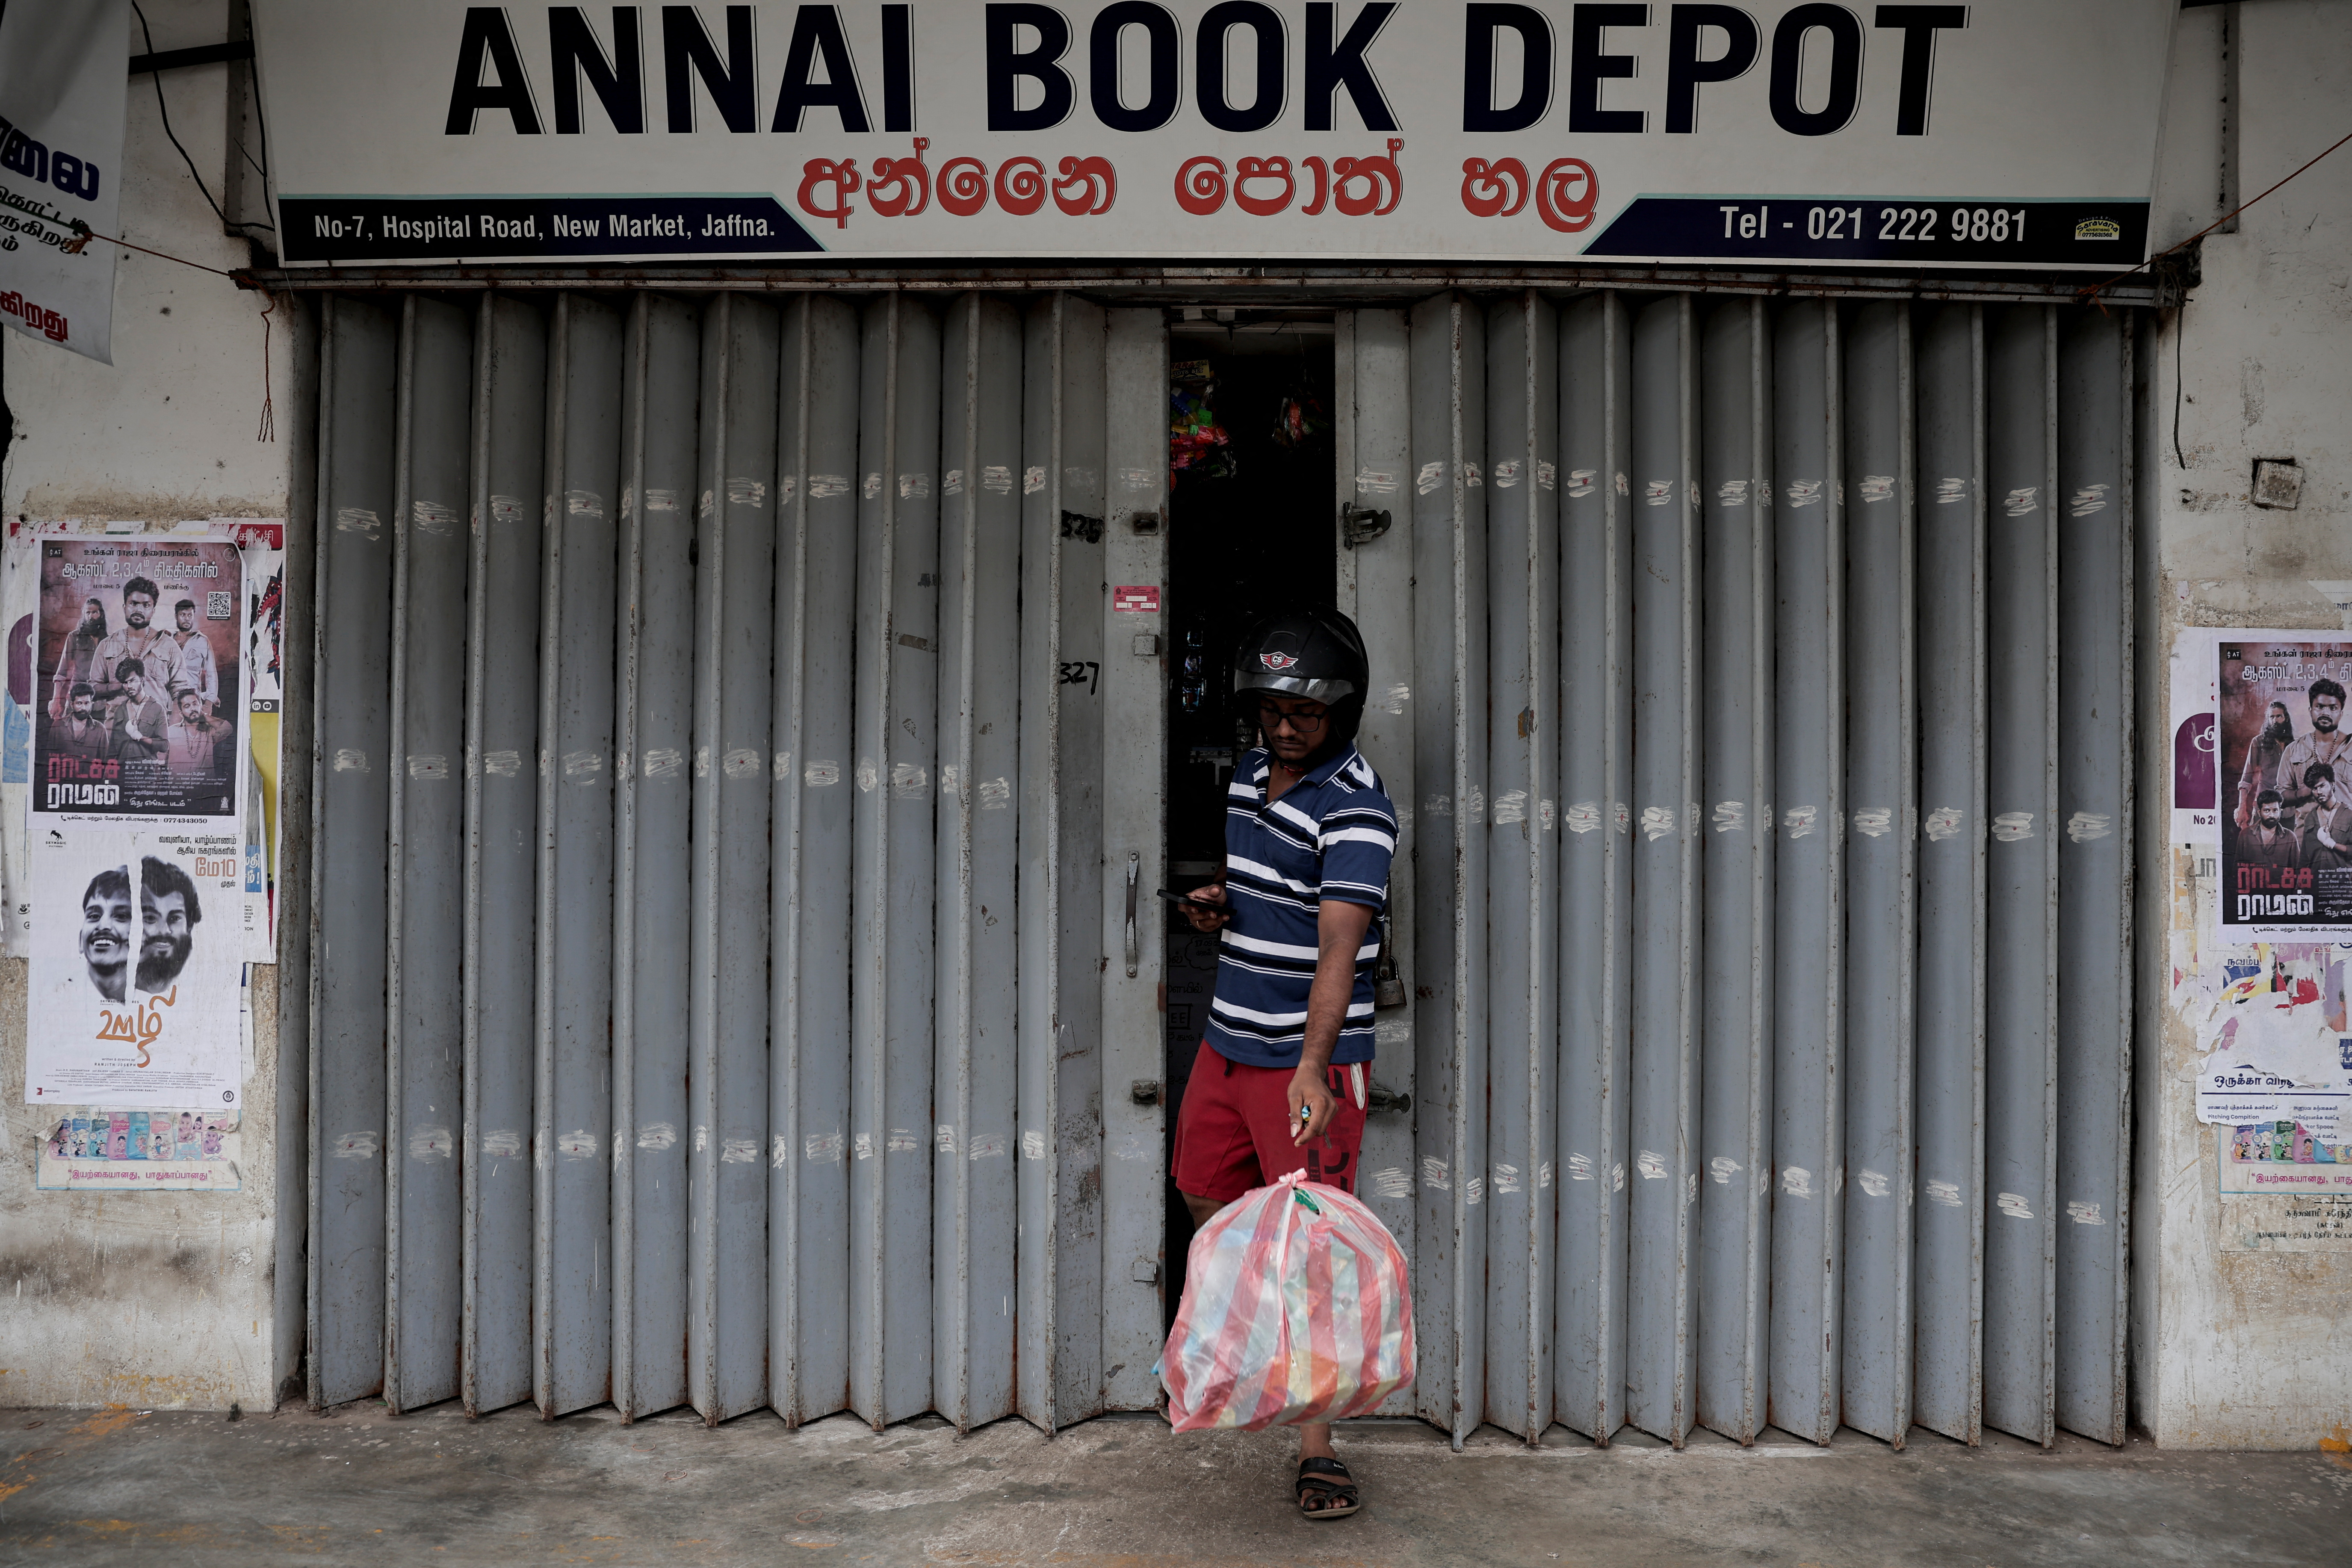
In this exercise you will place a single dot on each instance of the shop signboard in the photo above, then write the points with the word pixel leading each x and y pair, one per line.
pixel 62 87
pixel 2002 134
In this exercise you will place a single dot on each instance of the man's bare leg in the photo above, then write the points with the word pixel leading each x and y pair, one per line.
pixel 1314 1441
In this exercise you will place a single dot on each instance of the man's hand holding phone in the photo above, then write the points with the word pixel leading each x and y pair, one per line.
pixel 1204 906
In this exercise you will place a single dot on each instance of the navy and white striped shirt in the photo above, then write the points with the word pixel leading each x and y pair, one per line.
pixel 1332 836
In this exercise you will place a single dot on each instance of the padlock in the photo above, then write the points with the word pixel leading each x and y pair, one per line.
pixel 1388 988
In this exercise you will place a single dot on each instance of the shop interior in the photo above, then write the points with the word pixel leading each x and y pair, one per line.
pixel 1251 529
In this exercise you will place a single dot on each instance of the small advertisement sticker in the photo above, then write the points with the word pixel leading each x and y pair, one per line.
pixel 89 1148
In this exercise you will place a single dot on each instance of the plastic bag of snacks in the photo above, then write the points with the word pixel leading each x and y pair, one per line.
pixel 1296 1309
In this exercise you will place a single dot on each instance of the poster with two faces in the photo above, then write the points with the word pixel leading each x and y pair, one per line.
pixel 134 846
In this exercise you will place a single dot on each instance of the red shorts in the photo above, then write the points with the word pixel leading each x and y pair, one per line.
pixel 1233 1132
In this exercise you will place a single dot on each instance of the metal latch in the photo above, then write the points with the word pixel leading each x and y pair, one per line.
pixel 1144 1090
pixel 1388 986
pixel 1383 1099
pixel 1360 524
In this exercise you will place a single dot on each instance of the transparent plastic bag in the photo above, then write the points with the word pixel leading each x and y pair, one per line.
pixel 1296 1309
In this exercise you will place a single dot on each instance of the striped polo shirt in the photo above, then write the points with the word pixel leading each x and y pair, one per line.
pixel 1330 836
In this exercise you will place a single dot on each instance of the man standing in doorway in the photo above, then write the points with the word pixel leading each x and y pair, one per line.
pixel 1281 1082
pixel 2324 744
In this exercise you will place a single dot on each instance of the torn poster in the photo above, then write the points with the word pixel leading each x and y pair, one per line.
pixel 20 604
pixel 2264 996
pixel 261 541
pixel 2275 1047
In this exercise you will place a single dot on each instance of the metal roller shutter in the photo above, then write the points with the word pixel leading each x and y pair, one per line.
pixel 728 975
pixel 1794 962
pixel 694 799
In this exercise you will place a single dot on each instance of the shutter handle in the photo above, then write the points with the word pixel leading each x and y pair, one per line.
pixel 1134 871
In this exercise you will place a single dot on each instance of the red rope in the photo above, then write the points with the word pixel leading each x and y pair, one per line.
pixel 268 430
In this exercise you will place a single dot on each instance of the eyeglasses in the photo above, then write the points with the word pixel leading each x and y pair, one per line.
pixel 1273 717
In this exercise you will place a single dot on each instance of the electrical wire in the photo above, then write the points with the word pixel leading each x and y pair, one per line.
pixel 87 234
pixel 2093 292
pixel 2180 318
pixel 84 234
pixel 165 114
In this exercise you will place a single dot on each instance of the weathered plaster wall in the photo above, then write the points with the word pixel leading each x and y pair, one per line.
pixel 167 431
pixel 155 1299
pixel 2233 1347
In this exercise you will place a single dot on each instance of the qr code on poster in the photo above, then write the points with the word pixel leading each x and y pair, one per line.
pixel 219 605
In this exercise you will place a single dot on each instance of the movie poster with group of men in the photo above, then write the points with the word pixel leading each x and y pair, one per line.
pixel 2262 806
pixel 144 822
pixel 2287 784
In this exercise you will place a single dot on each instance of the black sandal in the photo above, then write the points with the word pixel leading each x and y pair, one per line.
pixel 1321 1498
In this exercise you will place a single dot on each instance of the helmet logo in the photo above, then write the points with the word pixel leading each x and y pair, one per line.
pixel 1276 660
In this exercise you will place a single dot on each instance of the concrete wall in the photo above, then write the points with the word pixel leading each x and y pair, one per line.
pixel 156 1298
pixel 2236 1345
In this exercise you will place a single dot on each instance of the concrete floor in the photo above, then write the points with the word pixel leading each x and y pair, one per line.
pixel 359 1486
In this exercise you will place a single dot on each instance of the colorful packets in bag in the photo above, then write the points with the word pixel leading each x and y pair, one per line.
pixel 1296 1309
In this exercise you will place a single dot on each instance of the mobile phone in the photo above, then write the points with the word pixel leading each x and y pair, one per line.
pixel 1187 899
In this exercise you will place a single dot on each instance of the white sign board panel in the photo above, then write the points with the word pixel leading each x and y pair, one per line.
pixel 62 82
pixel 2008 134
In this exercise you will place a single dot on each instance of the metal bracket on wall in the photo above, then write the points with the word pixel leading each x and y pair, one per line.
pixel 1134 870
pixel 1360 524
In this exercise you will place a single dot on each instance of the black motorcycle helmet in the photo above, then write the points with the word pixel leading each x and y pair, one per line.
pixel 1315 654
